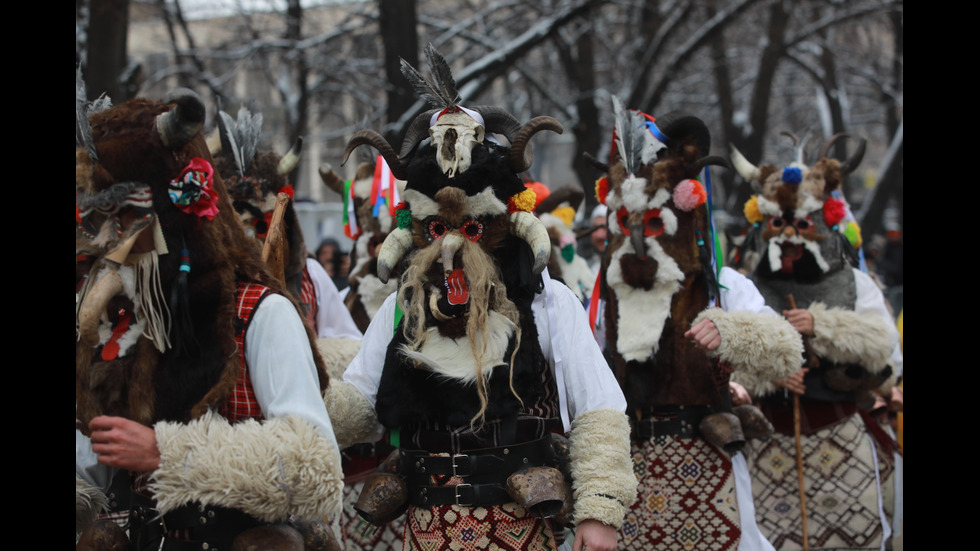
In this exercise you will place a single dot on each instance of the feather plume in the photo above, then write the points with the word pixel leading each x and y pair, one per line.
pixel 631 135
pixel 241 138
pixel 83 130
pixel 441 93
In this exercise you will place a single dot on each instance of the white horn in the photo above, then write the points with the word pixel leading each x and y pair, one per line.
pixel 526 226
pixel 748 170
pixel 392 250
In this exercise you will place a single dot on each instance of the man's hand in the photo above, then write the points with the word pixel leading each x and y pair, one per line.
pixel 705 332
pixel 739 395
pixel 124 444
pixel 801 320
pixel 794 383
pixel 592 535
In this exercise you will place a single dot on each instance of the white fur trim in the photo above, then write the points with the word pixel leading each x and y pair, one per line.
pixel 670 221
pixel 337 354
pixel 810 205
pixel 640 309
pixel 759 347
pixel 845 336
pixel 454 359
pixel 351 414
pixel 603 482
pixel 776 252
pixel 634 192
pixel 768 207
pixel 268 470
pixel 422 205
pixel 659 199
pixel 485 203
pixel 372 293
pixel 89 502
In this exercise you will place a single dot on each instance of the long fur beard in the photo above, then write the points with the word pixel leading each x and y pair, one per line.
pixel 487 300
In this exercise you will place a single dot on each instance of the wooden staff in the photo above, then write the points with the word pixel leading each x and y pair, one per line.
pixel 812 362
pixel 274 249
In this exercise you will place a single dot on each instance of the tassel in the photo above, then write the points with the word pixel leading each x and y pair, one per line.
pixel 184 339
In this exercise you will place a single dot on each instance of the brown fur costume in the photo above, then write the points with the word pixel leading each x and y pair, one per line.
pixel 184 381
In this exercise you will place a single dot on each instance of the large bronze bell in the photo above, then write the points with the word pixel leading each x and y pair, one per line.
pixel 540 490
pixel 755 425
pixel 724 431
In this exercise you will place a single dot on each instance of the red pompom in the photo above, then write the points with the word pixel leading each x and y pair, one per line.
pixel 834 211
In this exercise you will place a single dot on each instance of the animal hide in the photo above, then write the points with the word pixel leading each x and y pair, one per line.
pixel 602 468
pixel 269 470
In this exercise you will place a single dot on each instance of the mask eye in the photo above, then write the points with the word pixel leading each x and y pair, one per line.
pixel 472 230
pixel 776 223
pixel 804 224
pixel 622 216
pixel 437 228
pixel 653 224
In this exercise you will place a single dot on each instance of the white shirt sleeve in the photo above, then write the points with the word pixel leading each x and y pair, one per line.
pixel 280 364
pixel 739 294
pixel 871 301
pixel 584 377
pixel 332 317
pixel 364 371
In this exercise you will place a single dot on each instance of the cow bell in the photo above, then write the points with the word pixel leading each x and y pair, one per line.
pixel 755 425
pixel 540 490
pixel 383 498
pixel 724 431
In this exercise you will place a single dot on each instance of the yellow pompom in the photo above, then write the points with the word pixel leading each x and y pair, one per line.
pixel 751 210
pixel 524 200
pixel 565 214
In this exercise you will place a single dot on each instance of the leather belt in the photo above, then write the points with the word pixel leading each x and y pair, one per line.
pixel 483 471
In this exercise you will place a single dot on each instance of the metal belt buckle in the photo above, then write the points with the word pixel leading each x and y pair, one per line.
pixel 456 467
pixel 458 486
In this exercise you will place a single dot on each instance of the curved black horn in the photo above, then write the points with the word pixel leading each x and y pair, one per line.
pixel 177 126
pixel 854 160
pixel 371 137
pixel 677 125
pixel 520 160
pixel 417 131
pixel 499 121
pixel 709 160
pixel 596 163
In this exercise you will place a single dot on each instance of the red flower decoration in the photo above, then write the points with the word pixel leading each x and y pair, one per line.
pixel 288 190
pixel 834 211
pixel 601 189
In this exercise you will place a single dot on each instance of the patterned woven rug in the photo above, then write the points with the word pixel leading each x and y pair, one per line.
pixel 505 527
pixel 841 496
pixel 686 498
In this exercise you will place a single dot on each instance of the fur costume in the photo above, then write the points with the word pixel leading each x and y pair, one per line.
pixel 658 282
pixel 557 212
pixel 367 291
pixel 797 246
pixel 466 368
pixel 254 179
pixel 144 166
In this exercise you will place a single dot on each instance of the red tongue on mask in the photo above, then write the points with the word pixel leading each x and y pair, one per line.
pixel 456 289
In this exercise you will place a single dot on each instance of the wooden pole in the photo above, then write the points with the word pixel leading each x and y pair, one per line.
pixel 811 361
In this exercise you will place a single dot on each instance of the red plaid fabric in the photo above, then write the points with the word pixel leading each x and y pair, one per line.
pixel 241 402
pixel 307 298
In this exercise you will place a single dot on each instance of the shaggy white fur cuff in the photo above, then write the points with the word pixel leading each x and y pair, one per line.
pixel 759 347
pixel 602 469
pixel 268 469
pixel 845 336
pixel 351 415
pixel 337 354
pixel 89 502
